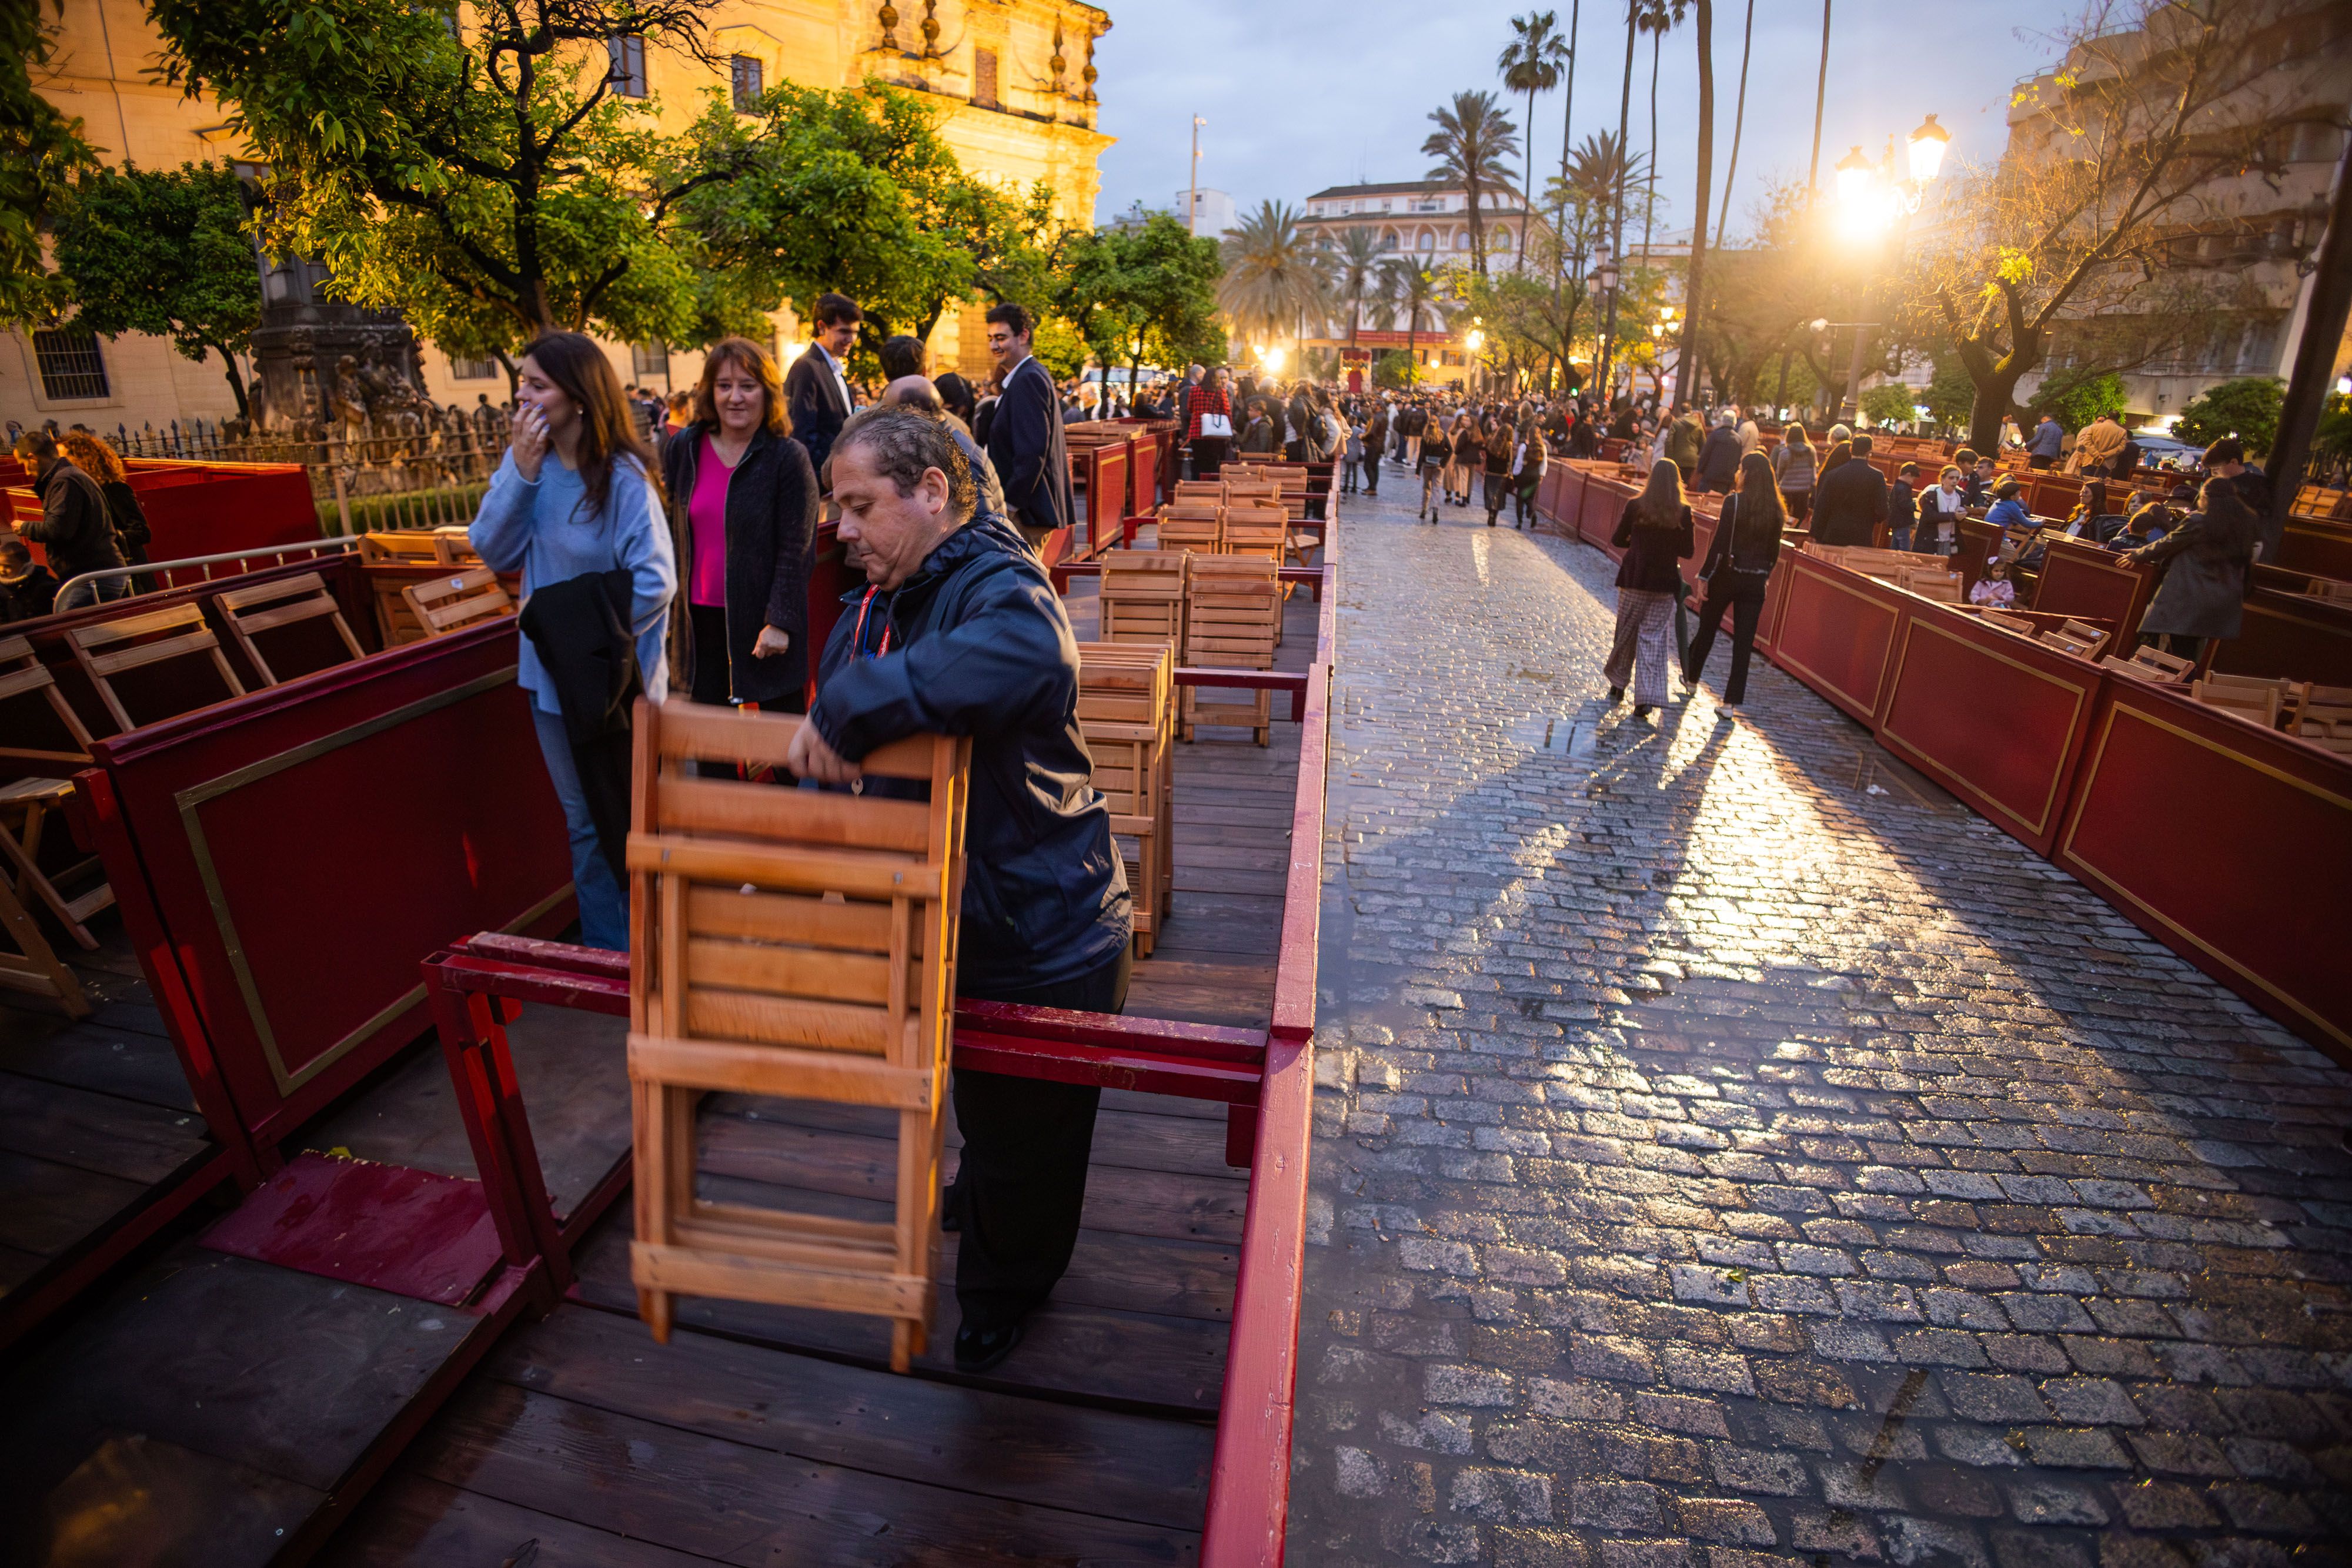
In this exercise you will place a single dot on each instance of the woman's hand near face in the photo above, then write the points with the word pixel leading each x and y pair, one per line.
pixel 771 643
pixel 530 438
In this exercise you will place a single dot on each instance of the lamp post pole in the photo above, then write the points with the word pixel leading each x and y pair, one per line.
pixel 1192 196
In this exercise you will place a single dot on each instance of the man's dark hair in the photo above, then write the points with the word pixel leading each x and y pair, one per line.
pixel 2006 488
pixel 901 356
pixel 1016 317
pixel 1966 458
pixel 1906 468
pixel 1862 446
pixel 901 443
pixel 2228 449
pixel 36 443
pixel 833 309
pixel 925 397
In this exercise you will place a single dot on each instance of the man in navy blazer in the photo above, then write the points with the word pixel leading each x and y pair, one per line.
pixel 816 391
pixel 1025 439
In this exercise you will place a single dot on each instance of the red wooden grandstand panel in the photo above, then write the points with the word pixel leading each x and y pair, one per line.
pixel 388 1228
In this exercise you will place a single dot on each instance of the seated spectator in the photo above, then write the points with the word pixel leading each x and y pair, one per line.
pixel 2008 512
pixel 27 591
pixel 2146 525
pixel 1994 587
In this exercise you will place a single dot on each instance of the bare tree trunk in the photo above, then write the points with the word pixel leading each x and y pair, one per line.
pixel 1738 123
pixel 1686 366
pixel 1617 230
pixel 1821 99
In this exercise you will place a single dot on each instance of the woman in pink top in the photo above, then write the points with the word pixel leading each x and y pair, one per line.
pixel 743 517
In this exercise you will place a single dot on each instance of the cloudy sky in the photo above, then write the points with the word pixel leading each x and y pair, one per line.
pixel 1298 97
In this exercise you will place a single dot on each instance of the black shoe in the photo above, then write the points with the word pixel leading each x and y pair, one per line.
pixel 1641 710
pixel 985 1350
pixel 1490 522
pixel 1616 696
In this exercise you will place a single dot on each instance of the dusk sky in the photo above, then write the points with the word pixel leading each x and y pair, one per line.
pixel 1301 97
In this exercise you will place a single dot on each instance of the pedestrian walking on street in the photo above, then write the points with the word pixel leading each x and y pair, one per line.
pixel 1210 424
pixel 1351 454
pixel 1499 451
pixel 1469 457
pixel 1527 462
pixel 1655 534
pixel 1738 564
pixel 1376 446
pixel 1793 466
pixel 1718 459
pixel 1415 426
pixel 1436 454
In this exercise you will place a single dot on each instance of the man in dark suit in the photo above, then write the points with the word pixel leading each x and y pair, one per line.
pixel 816 389
pixel 1850 502
pixel 1025 439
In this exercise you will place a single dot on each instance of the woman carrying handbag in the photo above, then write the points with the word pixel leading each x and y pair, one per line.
pixel 1655 534
pixel 1738 564
pixel 1211 429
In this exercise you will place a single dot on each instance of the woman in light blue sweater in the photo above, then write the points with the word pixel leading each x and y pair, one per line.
pixel 576 493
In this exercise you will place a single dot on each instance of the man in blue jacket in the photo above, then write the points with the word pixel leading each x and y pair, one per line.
pixel 959 633
pixel 1025 439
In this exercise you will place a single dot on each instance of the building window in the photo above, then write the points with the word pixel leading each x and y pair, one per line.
pixel 628 72
pixel 70 366
pixel 1428 240
pixel 473 369
pixel 649 360
pixel 984 78
pixel 1502 239
pixel 751 79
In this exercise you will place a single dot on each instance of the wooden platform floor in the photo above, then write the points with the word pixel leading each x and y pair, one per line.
pixel 96 1121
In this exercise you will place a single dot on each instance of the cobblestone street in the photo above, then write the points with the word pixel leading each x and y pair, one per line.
pixel 1730 1146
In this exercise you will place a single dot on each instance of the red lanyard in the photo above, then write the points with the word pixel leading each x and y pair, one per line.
pixel 857 638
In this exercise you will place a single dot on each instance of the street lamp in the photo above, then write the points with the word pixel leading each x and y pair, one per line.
pixel 1871 198
pixel 1927 146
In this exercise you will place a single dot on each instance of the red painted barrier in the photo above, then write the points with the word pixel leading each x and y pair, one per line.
pixel 206 509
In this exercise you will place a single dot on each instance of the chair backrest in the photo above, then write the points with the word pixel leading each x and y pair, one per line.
pixel 21 675
pixel 1210 490
pixel 1233 616
pixel 2256 700
pixel 2082 631
pixel 2022 625
pixel 179 632
pixel 2170 666
pixel 1125 683
pixel 248 611
pixel 796 919
pixel 1191 525
pixel 446 604
pixel 419 546
pixel 1256 531
pixel 2327 588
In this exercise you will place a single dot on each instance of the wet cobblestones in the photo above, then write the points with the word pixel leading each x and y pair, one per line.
pixel 1729 1148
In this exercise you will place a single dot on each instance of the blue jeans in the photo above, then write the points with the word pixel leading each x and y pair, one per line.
pixel 1902 539
pixel 105 590
pixel 603 902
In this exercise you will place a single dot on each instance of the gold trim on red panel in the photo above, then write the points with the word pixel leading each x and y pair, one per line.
pixel 2058 775
pixel 2089 774
pixel 1780 644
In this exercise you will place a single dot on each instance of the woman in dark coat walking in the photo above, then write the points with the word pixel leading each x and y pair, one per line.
pixel 1655 534
pixel 1499 450
pixel 1738 564
pixel 742 518
pixel 2205 562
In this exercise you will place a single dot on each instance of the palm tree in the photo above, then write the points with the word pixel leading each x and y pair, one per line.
pixel 1738 123
pixel 1530 63
pixel 1472 138
pixel 1356 282
pixel 1658 19
pixel 1598 170
pixel 1414 288
pixel 1617 205
pixel 1686 361
pixel 1274 275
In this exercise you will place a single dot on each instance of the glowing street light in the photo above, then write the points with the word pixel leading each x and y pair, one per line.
pixel 1853 176
pixel 1271 357
pixel 1927 146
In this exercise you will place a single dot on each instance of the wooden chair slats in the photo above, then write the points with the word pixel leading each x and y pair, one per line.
pixel 265 606
pixel 32 966
pixel 179 631
pixel 26 808
pixel 446 604
pixel 1233 620
pixel 2247 696
pixel 790 943
pixel 22 674
pixel 1127 712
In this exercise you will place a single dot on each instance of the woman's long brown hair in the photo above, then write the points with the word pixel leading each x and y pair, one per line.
pixel 1759 494
pixel 93 456
pixel 1662 498
pixel 582 372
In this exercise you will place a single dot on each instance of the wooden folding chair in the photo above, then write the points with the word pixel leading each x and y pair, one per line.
pixel 34 966
pixel 446 604
pixel 1127 714
pixel 2006 622
pixel 180 632
pixel 1191 525
pixel 1232 619
pixel 2327 588
pixel 1256 531
pixel 302 597
pixel 1208 491
pixel 1142 595
pixel 26 807
pixel 2083 631
pixel 419 546
pixel 792 942
pixel 22 674
pixel 2248 696
pixel 2150 664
